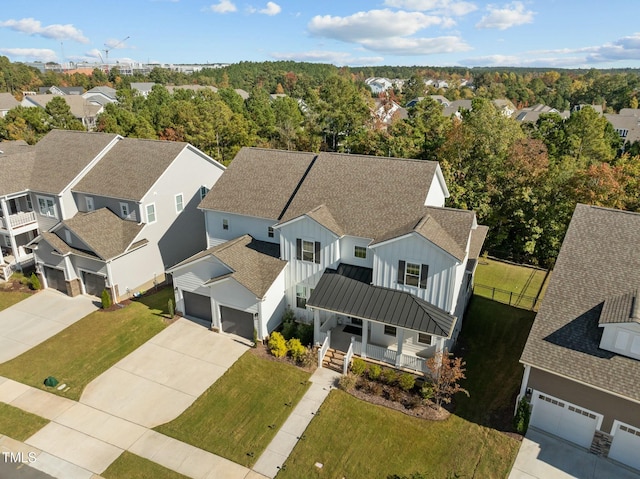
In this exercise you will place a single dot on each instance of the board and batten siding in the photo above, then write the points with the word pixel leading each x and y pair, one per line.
pixel 347 251
pixel 239 225
pixel 412 249
pixel 273 306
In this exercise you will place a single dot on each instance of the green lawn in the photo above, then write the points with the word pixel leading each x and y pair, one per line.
pixel 523 282
pixel 241 412
pixel 130 466
pixel 9 298
pixel 19 424
pixel 85 349
pixel 491 342
pixel 358 440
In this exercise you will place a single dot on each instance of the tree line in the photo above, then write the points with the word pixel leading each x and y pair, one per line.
pixel 523 180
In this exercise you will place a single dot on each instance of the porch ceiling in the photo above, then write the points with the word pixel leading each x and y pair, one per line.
pixel 341 294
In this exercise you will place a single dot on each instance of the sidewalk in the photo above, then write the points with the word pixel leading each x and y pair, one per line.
pixel 80 442
pixel 278 450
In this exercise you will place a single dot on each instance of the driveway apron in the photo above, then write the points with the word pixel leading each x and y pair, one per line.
pixel 159 380
pixel 37 318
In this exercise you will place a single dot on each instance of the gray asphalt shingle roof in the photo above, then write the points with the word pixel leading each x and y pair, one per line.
pixel 342 294
pixel 254 264
pixel 61 155
pixel 104 232
pixel 130 168
pixel 8 101
pixel 599 261
pixel 365 196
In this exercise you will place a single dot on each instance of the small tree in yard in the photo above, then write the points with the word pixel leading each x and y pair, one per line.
pixel 106 299
pixel 446 371
pixel 35 282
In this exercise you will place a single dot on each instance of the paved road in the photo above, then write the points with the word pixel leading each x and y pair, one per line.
pixel 12 470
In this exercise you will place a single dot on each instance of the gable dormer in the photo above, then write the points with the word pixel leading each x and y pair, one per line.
pixel 620 320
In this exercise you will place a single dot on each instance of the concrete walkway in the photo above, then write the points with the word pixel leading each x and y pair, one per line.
pixel 278 450
pixel 542 456
pixel 163 377
pixel 37 318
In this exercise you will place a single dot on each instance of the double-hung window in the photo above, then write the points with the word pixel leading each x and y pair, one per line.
pixel 308 250
pixel 301 296
pixel 124 210
pixel 413 274
pixel 47 207
pixel 179 203
pixel 360 252
pixel 151 213
pixel 203 192
pixel 89 203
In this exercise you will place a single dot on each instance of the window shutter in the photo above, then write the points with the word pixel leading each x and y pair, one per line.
pixel 299 248
pixel 401 272
pixel 317 252
pixel 424 272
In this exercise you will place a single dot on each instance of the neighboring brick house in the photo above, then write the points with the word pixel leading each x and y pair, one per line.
pixel 337 233
pixel 582 357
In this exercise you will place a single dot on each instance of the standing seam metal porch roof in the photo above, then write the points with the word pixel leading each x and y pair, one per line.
pixel 341 294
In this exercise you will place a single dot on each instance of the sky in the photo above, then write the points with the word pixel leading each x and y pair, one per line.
pixel 468 33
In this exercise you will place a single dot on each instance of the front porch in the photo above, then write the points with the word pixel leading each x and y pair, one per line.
pixel 348 339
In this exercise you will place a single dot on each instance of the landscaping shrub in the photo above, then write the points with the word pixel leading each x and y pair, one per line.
pixel 106 299
pixel 521 419
pixel 347 382
pixel 394 394
pixel 427 392
pixel 358 366
pixel 277 345
pixel 34 282
pixel 289 329
pixel 406 381
pixel 296 349
pixel 374 372
pixel 388 376
pixel 304 332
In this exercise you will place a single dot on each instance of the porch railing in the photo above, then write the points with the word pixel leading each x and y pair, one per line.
pixel 6 270
pixel 19 219
pixel 413 362
pixel 347 358
pixel 389 356
pixel 323 349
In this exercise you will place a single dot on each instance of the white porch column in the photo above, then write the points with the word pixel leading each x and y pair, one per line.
pixel 400 341
pixel 365 337
pixel 7 225
pixel 316 326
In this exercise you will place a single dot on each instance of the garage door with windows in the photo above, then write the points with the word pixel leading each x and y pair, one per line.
pixel 94 284
pixel 55 279
pixel 625 446
pixel 563 419
pixel 197 306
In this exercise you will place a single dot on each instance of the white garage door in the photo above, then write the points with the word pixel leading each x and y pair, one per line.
pixel 564 419
pixel 625 446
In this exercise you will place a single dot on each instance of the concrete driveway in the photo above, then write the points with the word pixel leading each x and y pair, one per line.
pixel 37 318
pixel 159 380
pixel 542 456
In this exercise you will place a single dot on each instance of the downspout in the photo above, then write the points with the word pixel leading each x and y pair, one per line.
pixel 114 297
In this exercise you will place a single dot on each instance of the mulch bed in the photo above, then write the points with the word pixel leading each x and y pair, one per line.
pixel 262 351
pixel 17 286
pixel 407 403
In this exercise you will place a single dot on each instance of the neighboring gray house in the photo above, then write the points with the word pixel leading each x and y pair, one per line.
pixel 61 90
pixel 128 216
pixel 347 241
pixel 101 95
pixel 532 114
pixel 626 124
pixel 7 102
pixel 142 88
pixel 582 357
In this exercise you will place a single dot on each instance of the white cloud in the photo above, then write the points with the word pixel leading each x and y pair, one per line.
pixel 444 7
pixel 37 54
pixel 223 6
pixel 271 9
pixel 511 15
pixel 113 43
pixel 418 46
pixel 31 26
pixel 374 24
pixel 321 56
pixel 626 48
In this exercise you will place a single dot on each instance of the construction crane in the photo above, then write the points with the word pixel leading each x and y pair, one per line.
pixel 109 48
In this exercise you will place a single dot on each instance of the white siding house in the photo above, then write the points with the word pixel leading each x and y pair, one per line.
pixel 362 242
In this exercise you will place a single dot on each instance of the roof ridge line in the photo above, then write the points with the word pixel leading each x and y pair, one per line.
pixel 297 188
